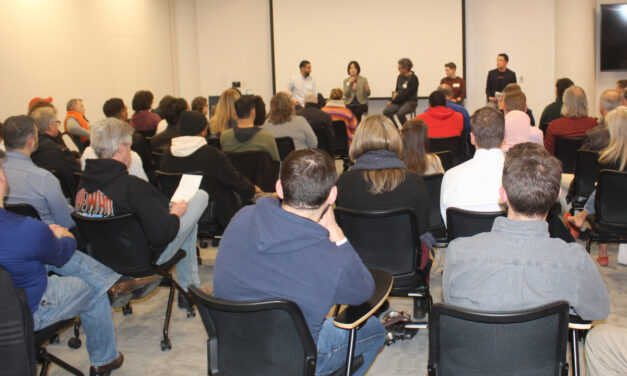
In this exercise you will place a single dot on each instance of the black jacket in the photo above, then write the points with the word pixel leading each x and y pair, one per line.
pixel 320 120
pixel 106 189
pixel 160 142
pixel 497 81
pixel 52 154
pixel 406 89
pixel 221 180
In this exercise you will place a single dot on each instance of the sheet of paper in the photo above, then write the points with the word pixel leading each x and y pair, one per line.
pixel 187 187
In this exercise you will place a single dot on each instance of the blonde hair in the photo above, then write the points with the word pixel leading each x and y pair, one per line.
pixel 377 132
pixel 336 94
pixel 281 109
pixel 575 102
pixel 616 151
pixel 225 111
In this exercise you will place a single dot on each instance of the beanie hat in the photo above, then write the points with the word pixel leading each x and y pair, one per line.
pixel 191 123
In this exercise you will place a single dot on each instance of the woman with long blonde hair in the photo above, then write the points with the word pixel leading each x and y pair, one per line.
pixel 225 115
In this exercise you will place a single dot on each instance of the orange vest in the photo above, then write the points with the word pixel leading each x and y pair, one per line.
pixel 81 120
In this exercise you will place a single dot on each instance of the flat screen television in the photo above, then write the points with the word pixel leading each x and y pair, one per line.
pixel 613 37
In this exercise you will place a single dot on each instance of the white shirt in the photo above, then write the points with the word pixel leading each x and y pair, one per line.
pixel 474 185
pixel 136 168
pixel 300 86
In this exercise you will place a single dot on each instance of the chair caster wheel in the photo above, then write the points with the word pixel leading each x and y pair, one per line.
pixel 127 310
pixel 204 244
pixel 191 313
pixel 54 339
pixel 166 345
pixel 215 242
pixel 74 343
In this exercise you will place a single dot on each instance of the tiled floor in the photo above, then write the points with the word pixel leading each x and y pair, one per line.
pixel 139 334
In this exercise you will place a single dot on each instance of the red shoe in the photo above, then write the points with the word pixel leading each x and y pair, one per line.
pixel 603 260
pixel 574 231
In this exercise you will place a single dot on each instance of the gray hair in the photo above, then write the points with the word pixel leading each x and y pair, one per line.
pixel 575 102
pixel 107 134
pixel 448 92
pixel 610 99
pixel 311 98
pixel 71 103
pixel 43 116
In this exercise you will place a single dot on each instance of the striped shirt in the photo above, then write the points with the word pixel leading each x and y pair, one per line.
pixel 344 114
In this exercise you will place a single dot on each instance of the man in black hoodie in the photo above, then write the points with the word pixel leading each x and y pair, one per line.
pixel 106 190
pixel 405 97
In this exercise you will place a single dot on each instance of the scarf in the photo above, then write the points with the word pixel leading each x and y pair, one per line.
pixel 81 120
pixel 378 160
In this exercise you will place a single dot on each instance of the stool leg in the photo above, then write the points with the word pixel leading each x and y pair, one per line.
pixel 574 351
pixel 351 350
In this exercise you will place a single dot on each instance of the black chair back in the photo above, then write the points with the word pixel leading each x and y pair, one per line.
pixel 452 144
pixel 586 170
pixel 461 223
pixel 529 342
pixel 341 139
pixel 258 167
pixel 611 201
pixel 118 242
pixel 215 142
pixel 24 209
pixel 285 145
pixel 436 223
pixel 446 157
pixel 261 337
pixel 323 140
pixel 566 151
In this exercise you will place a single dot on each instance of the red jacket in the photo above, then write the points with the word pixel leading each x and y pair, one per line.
pixel 570 127
pixel 442 122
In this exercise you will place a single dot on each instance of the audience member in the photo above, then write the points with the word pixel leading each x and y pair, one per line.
pixel 499 78
pixel 474 184
pixel 270 245
pixel 144 120
pixel 319 120
pixel 27 182
pixel 115 107
pixel 356 90
pixel 224 116
pixel 575 122
pixel 606 350
pixel 456 83
pixel 405 95
pixel 337 110
pixel 107 190
pixel 51 153
pixel 416 154
pixel 244 135
pixel 597 138
pixel 441 120
pixel 163 103
pixel 448 93
pixel 172 111
pixel 554 110
pixel 517 265
pixel 260 111
pixel 201 104
pixel 511 89
pixel 37 102
pixel 613 157
pixel 76 123
pixel 301 84
pixel 518 128
pixel 621 85
pixel 190 153
pixel 283 122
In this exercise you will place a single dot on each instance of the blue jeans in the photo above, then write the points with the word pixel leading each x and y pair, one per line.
pixel 333 345
pixel 81 289
pixel 589 207
pixel 187 268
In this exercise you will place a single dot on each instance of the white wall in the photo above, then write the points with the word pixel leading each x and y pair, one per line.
pixel 88 49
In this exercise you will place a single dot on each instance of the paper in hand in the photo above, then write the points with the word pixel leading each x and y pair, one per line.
pixel 187 188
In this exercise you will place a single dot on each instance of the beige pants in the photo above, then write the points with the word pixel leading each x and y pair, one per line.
pixel 606 351
pixel 565 185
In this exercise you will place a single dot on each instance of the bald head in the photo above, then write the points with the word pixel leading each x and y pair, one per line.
pixel 610 99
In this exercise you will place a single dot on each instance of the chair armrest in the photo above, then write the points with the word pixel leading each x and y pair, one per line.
pixel 576 322
pixel 353 316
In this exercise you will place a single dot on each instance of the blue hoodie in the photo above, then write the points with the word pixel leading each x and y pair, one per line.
pixel 267 252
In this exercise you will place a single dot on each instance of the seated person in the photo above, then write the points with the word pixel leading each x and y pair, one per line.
pixel 415 149
pixel 455 106
pixel 52 154
pixel 318 119
pixel 283 122
pixel 575 122
pixel 510 89
pixel 107 190
pixel 606 350
pixel 441 120
pixel 336 108
pixel 76 123
pixel 81 285
pixel 270 245
pixel 172 110
pixel 474 184
pixel 144 120
pixel 597 138
pixel 190 152
pixel 27 182
pixel 223 116
pixel 517 265
pixel 405 95
pixel 518 126
pixel 554 110
pixel 245 136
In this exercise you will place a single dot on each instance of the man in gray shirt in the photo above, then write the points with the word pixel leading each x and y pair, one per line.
pixel 517 265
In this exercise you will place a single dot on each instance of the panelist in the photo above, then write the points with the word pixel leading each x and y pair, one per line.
pixel 456 83
pixel 405 97
pixel 499 78
pixel 301 84
pixel 356 91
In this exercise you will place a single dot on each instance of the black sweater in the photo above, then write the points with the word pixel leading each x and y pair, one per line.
pixel 406 89
pixel 52 154
pixel 353 192
pixel 498 80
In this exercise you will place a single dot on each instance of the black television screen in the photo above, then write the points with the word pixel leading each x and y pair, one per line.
pixel 613 37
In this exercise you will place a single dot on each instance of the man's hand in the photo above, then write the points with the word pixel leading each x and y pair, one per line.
pixel 394 94
pixel 60 232
pixel 328 221
pixel 179 208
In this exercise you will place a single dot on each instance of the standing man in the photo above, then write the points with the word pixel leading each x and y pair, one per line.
pixel 499 78
pixel 456 83
pixel 302 84
pixel 405 97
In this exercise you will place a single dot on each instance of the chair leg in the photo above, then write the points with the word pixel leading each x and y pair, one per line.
pixel 45 358
pixel 45 363
pixel 588 243
pixel 352 336
pixel 166 344
pixel 574 351
pixel 64 365
pixel 188 296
